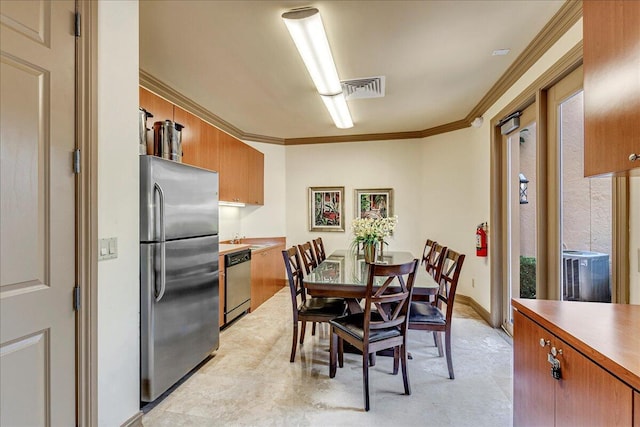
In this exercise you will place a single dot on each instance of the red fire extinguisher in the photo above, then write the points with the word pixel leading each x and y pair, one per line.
pixel 481 240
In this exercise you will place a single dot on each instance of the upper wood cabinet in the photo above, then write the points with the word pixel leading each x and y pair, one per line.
pixel 256 177
pixel 611 36
pixel 199 141
pixel 240 167
pixel 241 171
pixel 159 107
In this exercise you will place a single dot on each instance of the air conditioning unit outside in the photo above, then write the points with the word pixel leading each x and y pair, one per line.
pixel 585 276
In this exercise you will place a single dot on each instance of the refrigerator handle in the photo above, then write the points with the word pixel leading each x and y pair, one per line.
pixel 163 276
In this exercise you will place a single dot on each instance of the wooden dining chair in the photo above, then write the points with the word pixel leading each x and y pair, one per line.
pixel 318 246
pixel 435 258
pixel 308 257
pixel 426 252
pixel 436 316
pixel 388 289
pixel 306 308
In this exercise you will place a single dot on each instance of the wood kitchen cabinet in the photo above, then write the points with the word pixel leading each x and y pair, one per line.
pixel 241 171
pixel 255 183
pixel 267 278
pixel 221 289
pixel 590 391
pixel 199 141
pixel 611 36
pixel 240 167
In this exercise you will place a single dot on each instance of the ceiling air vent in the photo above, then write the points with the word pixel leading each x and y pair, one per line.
pixel 370 87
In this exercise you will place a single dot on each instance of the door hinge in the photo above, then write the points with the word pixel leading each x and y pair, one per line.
pixel 78 24
pixel 76 298
pixel 76 160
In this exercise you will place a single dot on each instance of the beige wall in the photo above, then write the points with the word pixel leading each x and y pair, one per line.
pixel 118 279
pixel 356 165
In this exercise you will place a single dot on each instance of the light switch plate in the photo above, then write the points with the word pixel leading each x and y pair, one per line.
pixel 107 248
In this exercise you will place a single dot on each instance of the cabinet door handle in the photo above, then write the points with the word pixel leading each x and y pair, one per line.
pixel 544 343
pixel 633 157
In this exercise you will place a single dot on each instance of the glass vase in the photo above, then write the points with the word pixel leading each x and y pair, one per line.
pixel 369 250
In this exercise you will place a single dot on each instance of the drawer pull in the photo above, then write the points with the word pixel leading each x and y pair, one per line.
pixel 544 343
pixel 633 157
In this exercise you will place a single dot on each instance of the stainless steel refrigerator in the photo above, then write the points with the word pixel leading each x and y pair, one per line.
pixel 179 300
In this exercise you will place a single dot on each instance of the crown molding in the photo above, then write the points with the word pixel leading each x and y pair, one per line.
pixel 563 20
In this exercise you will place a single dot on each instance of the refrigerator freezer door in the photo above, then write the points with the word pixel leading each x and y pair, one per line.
pixel 180 329
pixel 189 196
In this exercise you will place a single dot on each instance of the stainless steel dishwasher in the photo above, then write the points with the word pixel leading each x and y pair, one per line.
pixel 237 284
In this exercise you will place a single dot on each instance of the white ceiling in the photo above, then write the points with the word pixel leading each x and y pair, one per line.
pixel 237 60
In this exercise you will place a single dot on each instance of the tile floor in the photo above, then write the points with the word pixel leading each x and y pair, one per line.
pixel 250 382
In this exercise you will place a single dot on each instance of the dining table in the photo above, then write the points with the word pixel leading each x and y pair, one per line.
pixel 343 274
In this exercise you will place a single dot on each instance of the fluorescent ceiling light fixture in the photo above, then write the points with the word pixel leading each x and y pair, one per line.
pixel 337 106
pixel 307 31
pixel 236 204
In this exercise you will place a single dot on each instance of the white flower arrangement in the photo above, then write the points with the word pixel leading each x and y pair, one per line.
pixel 371 231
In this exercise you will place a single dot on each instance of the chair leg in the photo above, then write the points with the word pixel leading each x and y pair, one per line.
pixel 405 375
pixel 365 378
pixel 295 342
pixel 302 332
pixel 313 329
pixel 340 352
pixel 438 338
pixel 435 338
pixel 333 344
pixel 447 341
pixel 372 358
pixel 396 360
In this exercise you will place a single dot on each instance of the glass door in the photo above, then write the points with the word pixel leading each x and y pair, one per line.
pixel 520 197
pixel 586 204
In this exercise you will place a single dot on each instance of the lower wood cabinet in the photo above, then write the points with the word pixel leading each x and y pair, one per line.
pixel 221 288
pixel 586 394
pixel 267 274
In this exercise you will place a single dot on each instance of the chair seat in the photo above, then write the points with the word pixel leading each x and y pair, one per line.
pixel 424 312
pixel 319 306
pixel 353 324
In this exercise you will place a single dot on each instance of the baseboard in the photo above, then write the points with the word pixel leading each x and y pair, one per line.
pixel 134 421
pixel 477 307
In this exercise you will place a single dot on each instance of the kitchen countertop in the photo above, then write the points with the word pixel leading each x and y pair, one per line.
pixel 226 248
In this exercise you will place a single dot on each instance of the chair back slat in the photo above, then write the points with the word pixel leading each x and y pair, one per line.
pixel 451 267
pixel 308 257
pixel 318 246
pixel 293 266
pixel 427 251
pixel 390 298
pixel 434 262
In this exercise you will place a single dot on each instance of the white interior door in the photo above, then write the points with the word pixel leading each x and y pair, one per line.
pixel 37 213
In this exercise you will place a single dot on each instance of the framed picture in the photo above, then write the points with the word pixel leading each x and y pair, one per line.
pixel 326 209
pixel 374 203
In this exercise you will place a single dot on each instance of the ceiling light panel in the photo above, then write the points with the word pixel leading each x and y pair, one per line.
pixel 338 109
pixel 307 30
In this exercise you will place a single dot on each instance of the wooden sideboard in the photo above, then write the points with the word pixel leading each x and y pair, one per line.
pixel 598 347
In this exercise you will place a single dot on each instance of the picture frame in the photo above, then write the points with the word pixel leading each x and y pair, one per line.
pixel 373 203
pixel 326 209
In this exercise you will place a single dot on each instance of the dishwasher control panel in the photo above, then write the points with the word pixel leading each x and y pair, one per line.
pixel 237 258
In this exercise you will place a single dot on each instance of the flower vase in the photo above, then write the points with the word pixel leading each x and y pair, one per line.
pixel 369 252
pixel 381 249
